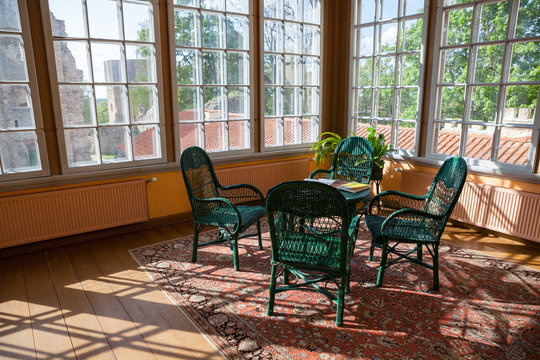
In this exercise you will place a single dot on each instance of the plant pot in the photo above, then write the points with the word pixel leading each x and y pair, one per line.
pixel 376 172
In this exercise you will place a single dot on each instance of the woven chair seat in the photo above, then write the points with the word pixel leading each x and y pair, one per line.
pixel 416 231
pixel 311 250
pixel 225 216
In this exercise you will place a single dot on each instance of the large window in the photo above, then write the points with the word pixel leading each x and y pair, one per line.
pixel 387 69
pixel 487 79
pixel 292 66
pixel 22 152
pixel 212 57
pixel 107 83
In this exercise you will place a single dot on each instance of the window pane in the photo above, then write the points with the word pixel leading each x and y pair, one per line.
pixel 115 144
pixel 410 70
pixel 213 66
pixel 451 103
pixel 72 61
pixel 454 65
pixel 105 19
pixel 190 135
pixel 385 103
pixel 388 33
pixel 240 6
pixel 406 135
pixel 493 21
pixel 312 68
pixel 146 142
pixel 479 141
pixel 273 36
pixel 484 103
pixel 520 104
pixel 272 101
pixel 291 10
pixel 19 152
pixel 112 104
pixel 213 30
pixel 186 24
pixel 292 99
pixel 412 7
pixel 514 145
pixel 77 104
pixel 108 62
pixel 272 132
pixel 525 57
pixel 311 101
pixel 237 68
pixel 388 9
pixel 364 74
pixel 363 102
pixel 213 4
pixel 237 33
pixel 527 22
pixel 141 63
pixel 186 2
pixel 215 136
pixel 273 69
pixel 16 107
pixel 459 27
pixel 293 70
pixel 214 103
pixel 446 138
pixel 312 40
pixel 292 131
pixel 293 38
pixel 408 101
pixel 273 9
pixel 143 103
pixel 138 22
pixel 361 127
pixel 238 98
pixel 12 58
pixel 489 61
pixel 386 71
pixel 187 65
pixel 366 41
pixel 411 38
pixel 81 145
pixel 239 135
pixel 67 18
pixel 312 11
pixel 310 129
pixel 189 107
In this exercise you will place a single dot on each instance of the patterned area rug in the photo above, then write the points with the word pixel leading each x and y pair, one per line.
pixel 486 308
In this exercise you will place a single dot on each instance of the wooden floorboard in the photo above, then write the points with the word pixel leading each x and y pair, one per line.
pixel 92 300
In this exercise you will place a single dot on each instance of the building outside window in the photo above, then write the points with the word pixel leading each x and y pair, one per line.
pixel 22 150
pixel 487 73
pixel 387 67
pixel 105 70
pixel 291 70
pixel 212 49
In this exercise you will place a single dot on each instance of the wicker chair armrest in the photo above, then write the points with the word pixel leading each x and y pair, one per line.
pixel 320 174
pixel 353 227
pixel 240 193
pixel 389 201
pixel 401 223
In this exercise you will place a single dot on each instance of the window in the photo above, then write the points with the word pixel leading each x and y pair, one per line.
pixel 213 77
pixel 292 66
pixel 105 68
pixel 387 69
pixel 22 152
pixel 487 82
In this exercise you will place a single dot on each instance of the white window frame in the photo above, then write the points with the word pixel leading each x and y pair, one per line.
pixel 279 130
pixel 395 119
pixel 34 95
pixel 479 164
pixel 53 78
pixel 171 6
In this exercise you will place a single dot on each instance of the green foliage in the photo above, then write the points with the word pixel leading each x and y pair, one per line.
pixel 380 147
pixel 102 112
pixel 325 145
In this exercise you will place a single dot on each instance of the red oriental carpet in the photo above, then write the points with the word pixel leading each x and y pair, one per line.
pixel 486 308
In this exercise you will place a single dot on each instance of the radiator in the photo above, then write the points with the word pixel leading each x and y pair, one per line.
pixel 47 215
pixel 508 211
pixel 264 176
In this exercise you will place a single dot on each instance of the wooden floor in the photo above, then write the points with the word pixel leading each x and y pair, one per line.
pixel 91 301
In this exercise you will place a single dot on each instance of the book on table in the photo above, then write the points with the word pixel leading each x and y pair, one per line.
pixel 350 186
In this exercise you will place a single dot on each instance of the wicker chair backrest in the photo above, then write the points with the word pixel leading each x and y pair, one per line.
pixel 353 159
pixel 199 176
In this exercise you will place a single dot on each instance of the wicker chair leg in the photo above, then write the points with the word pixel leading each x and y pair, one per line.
pixel 341 302
pixel 382 266
pixel 419 252
pixel 286 274
pixel 235 252
pixel 347 283
pixel 436 268
pixel 272 293
pixel 371 249
pixel 198 229
pixel 259 234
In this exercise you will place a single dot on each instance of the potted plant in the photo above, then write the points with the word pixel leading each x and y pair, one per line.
pixel 327 142
pixel 380 149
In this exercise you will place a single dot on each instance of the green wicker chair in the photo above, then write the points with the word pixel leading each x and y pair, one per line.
pixel 313 234
pixel 395 218
pixel 217 205
pixel 352 161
